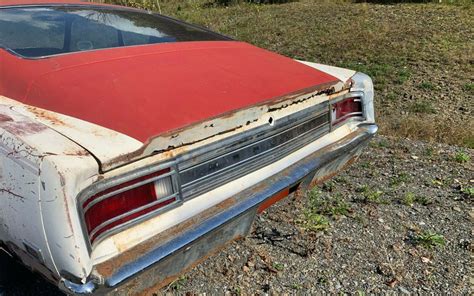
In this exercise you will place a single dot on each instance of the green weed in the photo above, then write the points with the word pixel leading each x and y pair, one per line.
pixel 469 192
pixel 430 240
pixel 278 266
pixel 371 195
pixel 422 107
pixel 399 179
pixel 427 86
pixel 462 157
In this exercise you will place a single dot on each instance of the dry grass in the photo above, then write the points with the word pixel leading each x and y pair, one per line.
pixel 419 55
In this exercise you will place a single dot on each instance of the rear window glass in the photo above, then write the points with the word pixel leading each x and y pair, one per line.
pixel 44 31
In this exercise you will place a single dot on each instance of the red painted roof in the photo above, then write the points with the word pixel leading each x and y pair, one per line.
pixel 144 91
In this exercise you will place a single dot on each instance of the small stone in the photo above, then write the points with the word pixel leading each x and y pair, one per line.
pixel 245 269
pixel 457 209
pixel 250 264
pixel 397 247
pixel 403 290
pixel 425 260
pixel 414 157
pixel 471 214
pixel 384 269
pixel 392 283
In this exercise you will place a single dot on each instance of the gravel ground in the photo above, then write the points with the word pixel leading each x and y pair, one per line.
pixel 398 221
pixel 378 212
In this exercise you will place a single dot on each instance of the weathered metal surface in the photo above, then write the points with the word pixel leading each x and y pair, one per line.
pixel 153 263
pixel 103 143
pixel 36 165
pixel 187 257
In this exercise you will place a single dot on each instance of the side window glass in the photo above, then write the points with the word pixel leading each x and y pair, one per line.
pixel 32 34
pixel 130 38
pixel 87 34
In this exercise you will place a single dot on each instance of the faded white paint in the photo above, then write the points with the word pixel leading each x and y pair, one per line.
pixel 38 167
pixel 340 73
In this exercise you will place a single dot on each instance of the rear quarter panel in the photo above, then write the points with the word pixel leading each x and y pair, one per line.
pixel 40 174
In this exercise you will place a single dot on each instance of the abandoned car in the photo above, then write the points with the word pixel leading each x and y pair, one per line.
pixel 133 145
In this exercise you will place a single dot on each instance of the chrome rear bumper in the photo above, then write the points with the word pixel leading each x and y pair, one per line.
pixel 160 264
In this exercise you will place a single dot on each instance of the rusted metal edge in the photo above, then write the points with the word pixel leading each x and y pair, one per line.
pixel 269 106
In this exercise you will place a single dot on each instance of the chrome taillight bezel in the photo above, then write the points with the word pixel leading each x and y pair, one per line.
pixel 351 117
pixel 114 181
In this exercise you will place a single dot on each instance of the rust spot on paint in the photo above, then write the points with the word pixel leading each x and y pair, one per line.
pixel 23 128
pixel 4 118
pixel 49 116
pixel 178 148
pixel 80 152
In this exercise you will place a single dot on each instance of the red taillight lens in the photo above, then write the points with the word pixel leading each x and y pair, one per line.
pixel 347 108
pixel 125 202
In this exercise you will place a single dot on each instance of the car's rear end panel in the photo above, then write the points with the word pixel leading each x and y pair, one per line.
pixel 224 181
pixel 161 258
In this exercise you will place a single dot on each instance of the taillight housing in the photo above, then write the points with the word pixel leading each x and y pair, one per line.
pixel 130 200
pixel 345 109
